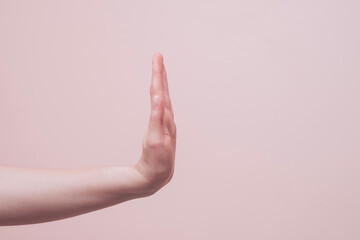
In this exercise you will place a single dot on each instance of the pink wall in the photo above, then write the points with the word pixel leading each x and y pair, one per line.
pixel 266 100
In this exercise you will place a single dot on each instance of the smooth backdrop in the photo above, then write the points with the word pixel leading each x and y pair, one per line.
pixel 266 100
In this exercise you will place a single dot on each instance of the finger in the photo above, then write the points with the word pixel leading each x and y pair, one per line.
pixel 172 130
pixel 156 121
pixel 157 83
pixel 157 98
pixel 166 92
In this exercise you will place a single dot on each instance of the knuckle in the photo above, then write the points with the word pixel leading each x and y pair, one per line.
pixel 154 90
pixel 155 144
pixel 169 115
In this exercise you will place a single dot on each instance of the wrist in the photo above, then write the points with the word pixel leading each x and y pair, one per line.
pixel 127 183
pixel 144 187
pixel 153 181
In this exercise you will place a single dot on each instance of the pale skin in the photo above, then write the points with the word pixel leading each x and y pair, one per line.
pixel 29 195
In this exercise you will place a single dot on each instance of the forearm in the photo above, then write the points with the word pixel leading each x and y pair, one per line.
pixel 40 195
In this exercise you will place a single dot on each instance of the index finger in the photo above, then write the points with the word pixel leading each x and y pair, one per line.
pixel 157 84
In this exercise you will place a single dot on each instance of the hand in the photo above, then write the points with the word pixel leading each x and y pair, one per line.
pixel 157 160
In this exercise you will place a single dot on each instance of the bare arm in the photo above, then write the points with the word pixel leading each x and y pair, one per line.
pixel 41 195
pixel 30 195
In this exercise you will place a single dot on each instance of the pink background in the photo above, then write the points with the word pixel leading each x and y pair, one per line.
pixel 266 100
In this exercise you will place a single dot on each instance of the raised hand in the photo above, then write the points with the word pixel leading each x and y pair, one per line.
pixel 25 198
pixel 157 160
